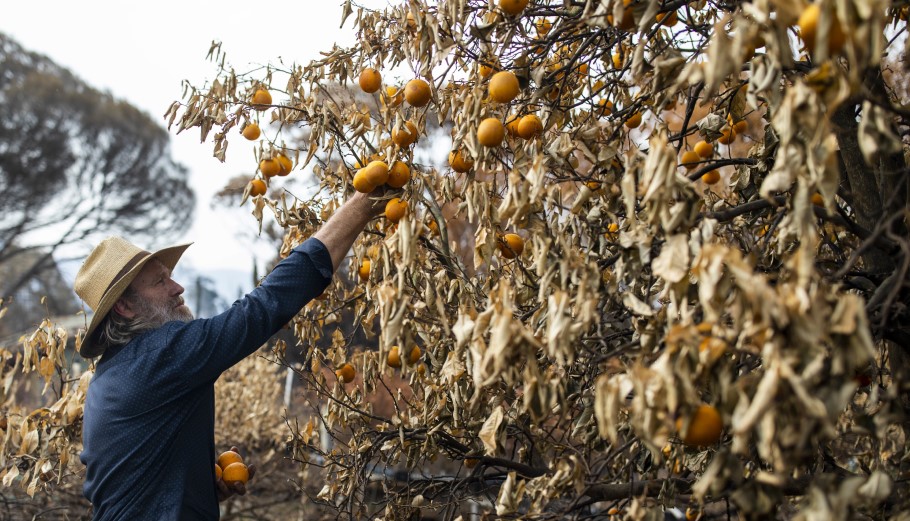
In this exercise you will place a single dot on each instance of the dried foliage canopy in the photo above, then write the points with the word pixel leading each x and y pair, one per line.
pixel 724 333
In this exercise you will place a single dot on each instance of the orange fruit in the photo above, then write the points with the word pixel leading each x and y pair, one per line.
pixel 362 183
pixel 261 99
pixel 395 209
pixel 470 463
pixel 513 7
pixel 393 358
pixel 364 270
pixel 414 355
pixel 251 132
pixel 668 19
pixel 512 125
pixel 376 172
pixel 704 427
pixel 741 126
pixel 543 27
pixel 627 22
pixel 395 95
pixel 634 120
pixel 711 178
pixel 346 373
pixel 727 135
pixel 459 162
pixel 434 228
pixel 486 66
pixel 406 135
pixel 269 167
pixel 692 514
pixel 235 473
pixel 689 159
pixel 817 199
pixel 370 80
pixel 593 185
pixel 605 107
pixel 417 92
pixel 617 60
pixel 284 164
pixel 808 29
pixel 217 472
pixel 257 187
pixel 612 228
pixel 704 149
pixel 511 245
pixel 530 126
pixel 504 87
pixel 399 174
pixel 490 132
pixel 227 457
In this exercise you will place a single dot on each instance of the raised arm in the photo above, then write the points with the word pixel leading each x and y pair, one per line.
pixel 340 231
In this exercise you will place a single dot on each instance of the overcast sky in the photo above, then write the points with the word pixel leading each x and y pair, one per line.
pixel 140 52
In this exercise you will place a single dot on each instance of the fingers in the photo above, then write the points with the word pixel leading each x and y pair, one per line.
pixel 236 449
pixel 238 488
pixel 252 470
pixel 223 491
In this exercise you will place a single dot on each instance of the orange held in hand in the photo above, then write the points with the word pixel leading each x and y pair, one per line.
pixel 399 174
pixel 217 472
pixel 235 473
pixel 227 457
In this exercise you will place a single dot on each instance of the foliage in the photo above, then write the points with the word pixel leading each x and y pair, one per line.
pixel 559 382
pixel 569 374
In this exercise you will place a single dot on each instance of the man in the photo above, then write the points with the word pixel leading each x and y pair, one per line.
pixel 148 431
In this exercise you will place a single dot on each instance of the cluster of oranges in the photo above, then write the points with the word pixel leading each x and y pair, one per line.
pixel 278 164
pixel 346 372
pixel 231 469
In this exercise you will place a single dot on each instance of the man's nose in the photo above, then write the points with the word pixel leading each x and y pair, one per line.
pixel 176 289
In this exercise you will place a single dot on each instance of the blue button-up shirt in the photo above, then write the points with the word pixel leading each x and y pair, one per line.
pixel 149 422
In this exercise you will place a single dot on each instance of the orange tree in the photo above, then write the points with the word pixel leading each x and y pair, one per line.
pixel 611 315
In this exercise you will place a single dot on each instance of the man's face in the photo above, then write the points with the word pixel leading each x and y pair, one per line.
pixel 156 297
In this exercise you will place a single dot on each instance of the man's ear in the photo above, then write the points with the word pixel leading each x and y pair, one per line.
pixel 123 308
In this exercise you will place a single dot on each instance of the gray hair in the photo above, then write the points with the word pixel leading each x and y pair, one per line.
pixel 117 330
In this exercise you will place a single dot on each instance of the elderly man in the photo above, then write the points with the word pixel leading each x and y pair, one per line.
pixel 148 430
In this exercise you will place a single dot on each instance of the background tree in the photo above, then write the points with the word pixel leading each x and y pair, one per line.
pixel 77 165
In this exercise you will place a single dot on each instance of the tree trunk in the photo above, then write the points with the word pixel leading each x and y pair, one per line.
pixel 864 188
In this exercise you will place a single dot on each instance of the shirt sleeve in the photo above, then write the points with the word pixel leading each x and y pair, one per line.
pixel 204 348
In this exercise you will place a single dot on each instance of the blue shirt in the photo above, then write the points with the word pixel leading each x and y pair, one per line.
pixel 149 418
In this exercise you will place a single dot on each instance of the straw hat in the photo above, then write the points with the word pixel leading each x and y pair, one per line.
pixel 106 274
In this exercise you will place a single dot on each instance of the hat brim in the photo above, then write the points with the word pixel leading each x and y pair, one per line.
pixel 168 256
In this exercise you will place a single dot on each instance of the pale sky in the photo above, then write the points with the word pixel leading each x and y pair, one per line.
pixel 140 52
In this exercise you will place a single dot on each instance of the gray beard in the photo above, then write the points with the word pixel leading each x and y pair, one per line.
pixel 149 316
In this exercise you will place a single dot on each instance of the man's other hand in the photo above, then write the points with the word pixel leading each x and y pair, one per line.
pixel 227 490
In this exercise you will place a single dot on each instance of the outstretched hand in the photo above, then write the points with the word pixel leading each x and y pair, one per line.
pixel 227 490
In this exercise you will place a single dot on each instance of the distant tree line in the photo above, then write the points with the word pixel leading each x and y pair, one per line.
pixel 76 165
